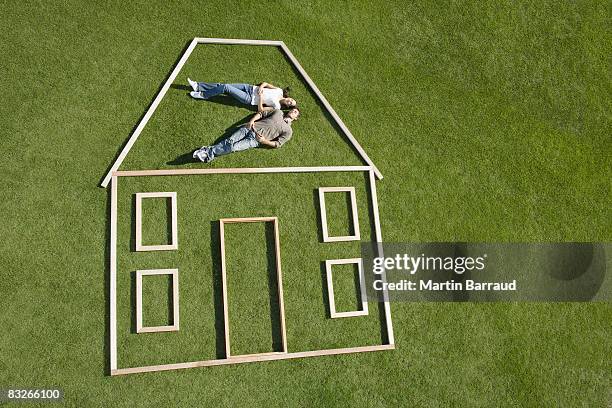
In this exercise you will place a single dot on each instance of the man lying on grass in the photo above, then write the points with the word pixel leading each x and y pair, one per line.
pixel 269 128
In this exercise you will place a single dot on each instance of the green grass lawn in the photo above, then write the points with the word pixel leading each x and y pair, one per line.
pixel 489 120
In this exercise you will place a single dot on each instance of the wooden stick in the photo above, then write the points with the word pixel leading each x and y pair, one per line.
pixel 113 276
pixel 251 358
pixel 279 278
pixel 184 172
pixel 236 41
pixel 331 110
pixel 150 111
pixel 383 277
pixel 224 286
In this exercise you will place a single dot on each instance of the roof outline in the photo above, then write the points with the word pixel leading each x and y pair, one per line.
pixel 179 65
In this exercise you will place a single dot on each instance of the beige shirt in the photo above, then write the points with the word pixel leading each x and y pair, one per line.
pixel 272 126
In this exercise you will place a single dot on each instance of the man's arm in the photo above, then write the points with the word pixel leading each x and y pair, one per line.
pixel 254 119
pixel 266 142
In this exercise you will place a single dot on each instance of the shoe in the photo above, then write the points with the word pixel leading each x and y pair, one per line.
pixel 193 84
pixel 200 154
pixel 196 95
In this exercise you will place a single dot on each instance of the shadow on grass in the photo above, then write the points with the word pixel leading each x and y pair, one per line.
pixel 219 99
pixel 277 338
pixel 187 158
pixel 373 240
pixel 215 253
pixel 133 302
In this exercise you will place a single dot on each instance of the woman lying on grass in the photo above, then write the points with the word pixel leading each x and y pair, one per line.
pixel 266 96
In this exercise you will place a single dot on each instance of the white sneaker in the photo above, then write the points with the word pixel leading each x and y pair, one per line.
pixel 194 84
pixel 196 95
pixel 201 154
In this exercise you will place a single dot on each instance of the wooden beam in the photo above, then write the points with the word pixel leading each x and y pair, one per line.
pixel 113 276
pixel 224 291
pixel 331 110
pixel 185 172
pixel 237 41
pixel 149 113
pixel 251 358
pixel 279 283
pixel 383 277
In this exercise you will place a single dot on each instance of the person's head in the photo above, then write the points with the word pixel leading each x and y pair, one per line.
pixel 293 114
pixel 287 103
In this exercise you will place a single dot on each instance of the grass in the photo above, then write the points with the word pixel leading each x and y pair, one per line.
pixel 489 120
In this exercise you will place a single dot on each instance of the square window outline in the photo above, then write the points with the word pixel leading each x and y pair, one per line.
pixel 175 300
pixel 174 220
pixel 330 288
pixel 355 216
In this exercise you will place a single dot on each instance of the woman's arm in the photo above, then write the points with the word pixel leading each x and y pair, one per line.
pixel 267 85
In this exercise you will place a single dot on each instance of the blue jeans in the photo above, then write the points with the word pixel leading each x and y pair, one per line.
pixel 241 92
pixel 241 139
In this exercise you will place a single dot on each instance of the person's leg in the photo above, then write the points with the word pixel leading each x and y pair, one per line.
pixel 241 139
pixel 241 92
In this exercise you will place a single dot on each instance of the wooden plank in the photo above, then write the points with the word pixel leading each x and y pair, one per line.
pixel 224 292
pixel 251 358
pixel 248 219
pixel 331 110
pixel 237 41
pixel 279 278
pixel 113 276
pixel 351 190
pixel 149 113
pixel 383 277
pixel 246 170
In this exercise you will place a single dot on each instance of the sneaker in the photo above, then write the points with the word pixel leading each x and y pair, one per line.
pixel 200 154
pixel 193 84
pixel 196 95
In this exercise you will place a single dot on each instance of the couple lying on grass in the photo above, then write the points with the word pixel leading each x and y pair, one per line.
pixel 269 127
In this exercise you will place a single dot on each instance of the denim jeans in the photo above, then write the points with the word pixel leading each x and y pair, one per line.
pixel 241 92
pixel 241 139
